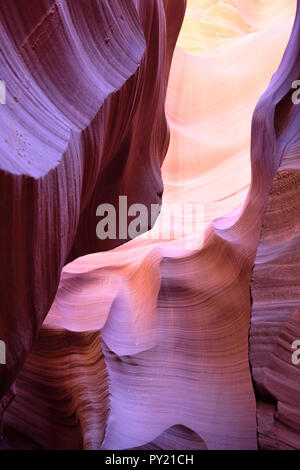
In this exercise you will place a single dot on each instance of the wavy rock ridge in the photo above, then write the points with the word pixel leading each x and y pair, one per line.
pixel 155 337
pixel 275 320
pixel 84 122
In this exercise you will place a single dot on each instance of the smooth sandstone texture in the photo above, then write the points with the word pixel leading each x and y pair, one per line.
pixel 176 438
pixel 275 319
pixel 84 122
pixel 147 345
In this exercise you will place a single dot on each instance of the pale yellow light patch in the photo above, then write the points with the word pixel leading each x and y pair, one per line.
pixel 210 24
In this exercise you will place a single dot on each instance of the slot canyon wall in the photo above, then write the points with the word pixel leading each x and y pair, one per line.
pixel 145 343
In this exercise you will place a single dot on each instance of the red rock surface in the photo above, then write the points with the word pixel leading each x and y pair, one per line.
pixel 84 122
pixel 151 345
pixel 275 318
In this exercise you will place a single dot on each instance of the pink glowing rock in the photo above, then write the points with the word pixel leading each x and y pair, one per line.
pixel 147 345
pixel 84 122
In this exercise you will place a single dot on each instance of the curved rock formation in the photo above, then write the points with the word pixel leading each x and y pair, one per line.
pixel 176 438
pixel 275 319
pixel 84 122
pixel 147 345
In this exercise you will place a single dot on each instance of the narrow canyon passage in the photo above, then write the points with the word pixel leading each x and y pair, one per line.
pixel 181 337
